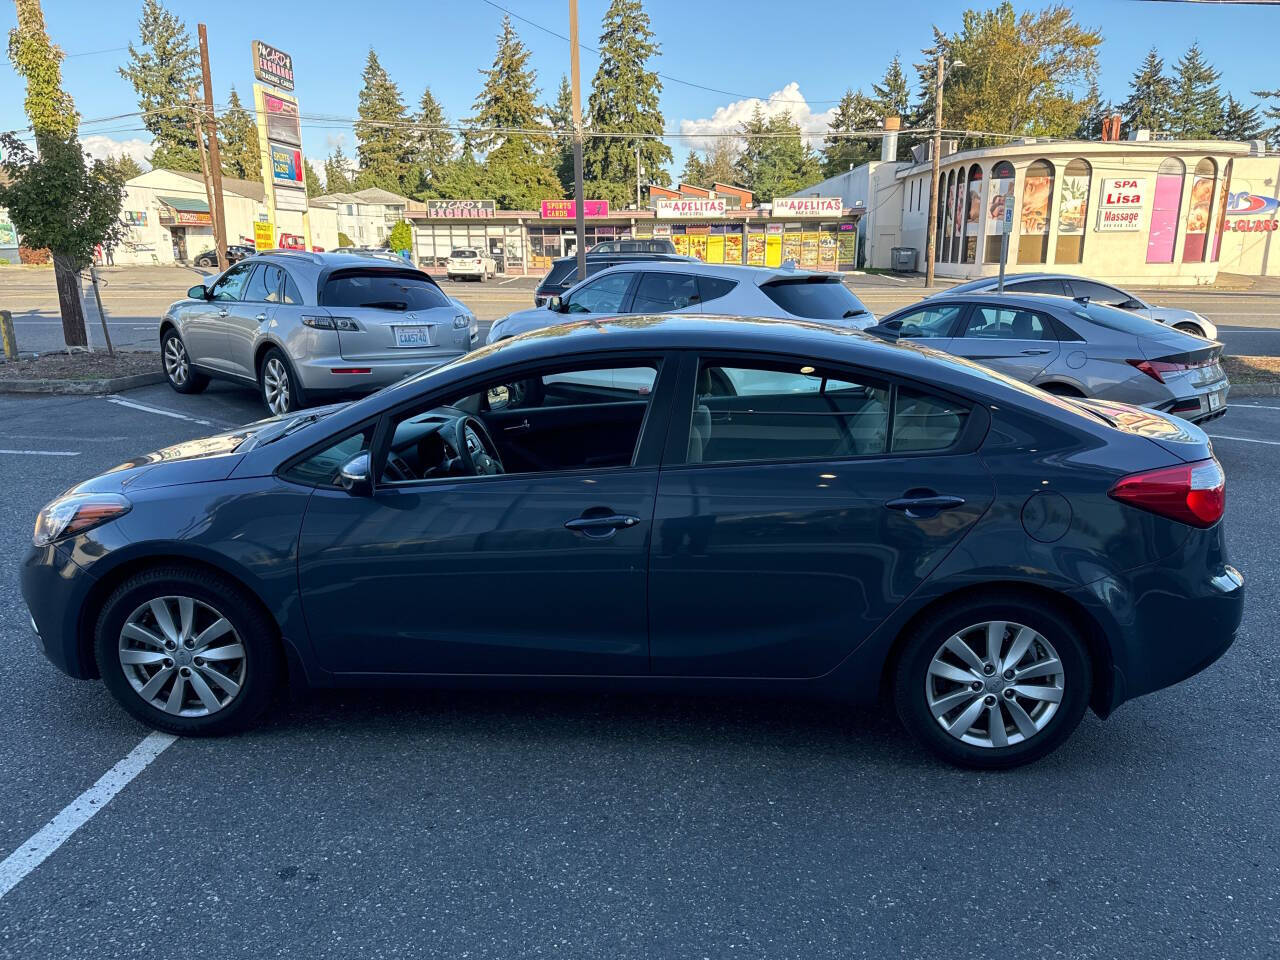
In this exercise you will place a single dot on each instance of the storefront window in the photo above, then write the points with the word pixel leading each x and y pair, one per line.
pixel 1199 211
pixel 999 197
pixel 1221 224
pixel 1164 211
pixel 1033 226
pixel 1073 208
pixel 973 215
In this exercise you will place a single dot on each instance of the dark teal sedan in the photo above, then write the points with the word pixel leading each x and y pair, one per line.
pixel 677 503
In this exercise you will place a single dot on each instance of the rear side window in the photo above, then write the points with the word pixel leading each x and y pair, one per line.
pixel 1098 293
pixel 291 292
pixel 814 298
pixel 382 290
pixel 925 421
pixel 713 288
pixel 995 323
pixel 1038 286
pixel 662 292
pixel 1117 319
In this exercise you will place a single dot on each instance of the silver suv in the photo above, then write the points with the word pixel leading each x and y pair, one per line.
pixel 309 326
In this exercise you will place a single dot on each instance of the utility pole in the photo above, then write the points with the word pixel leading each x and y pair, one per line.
pixel 930 240
pixel 198 129
pixel 579 203
pixel 215 161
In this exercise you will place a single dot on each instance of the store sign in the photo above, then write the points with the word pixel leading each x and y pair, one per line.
pixel 461 209
pixel 263 235
pixel 568 209
pixel 1251 213
pixel 689 207
pixel 8 235
pixel 282 119
pixel 272 66
pixel 131 218
pixel 185 218
pixel 286 166
pixel 807 206
pixel 1120 204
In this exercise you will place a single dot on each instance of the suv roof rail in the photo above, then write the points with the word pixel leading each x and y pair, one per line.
pixel 287 251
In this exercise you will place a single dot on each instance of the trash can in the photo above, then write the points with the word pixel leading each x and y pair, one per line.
pixel 903 259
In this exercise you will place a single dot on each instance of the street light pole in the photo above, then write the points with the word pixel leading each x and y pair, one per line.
pixel 579 204
pixel 930 240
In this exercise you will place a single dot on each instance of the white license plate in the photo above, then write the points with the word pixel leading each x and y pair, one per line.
pixel 419 336
pixel 1215 400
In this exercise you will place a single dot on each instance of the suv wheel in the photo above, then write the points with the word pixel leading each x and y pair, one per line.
pixel 993 682
pixel 176 364
pixel 280 390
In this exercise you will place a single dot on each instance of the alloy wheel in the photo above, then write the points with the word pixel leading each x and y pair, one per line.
pixel 182 656
pixel 994 684
pixel 275 385
pixel 176 366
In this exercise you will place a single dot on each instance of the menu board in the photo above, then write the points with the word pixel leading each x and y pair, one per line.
pixel 733 248
pixel 755 249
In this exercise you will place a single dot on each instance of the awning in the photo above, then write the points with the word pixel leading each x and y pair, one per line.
pixel 185 212
pixel 189 204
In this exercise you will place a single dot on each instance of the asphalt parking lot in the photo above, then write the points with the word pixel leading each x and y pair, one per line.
pixel 497 825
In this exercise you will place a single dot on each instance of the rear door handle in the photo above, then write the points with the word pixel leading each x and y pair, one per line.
pixel 1034 353
pixel 601 527
pixel 923 507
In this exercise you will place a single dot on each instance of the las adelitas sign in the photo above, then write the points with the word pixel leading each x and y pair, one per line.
pixel 807 206
pixel 690 207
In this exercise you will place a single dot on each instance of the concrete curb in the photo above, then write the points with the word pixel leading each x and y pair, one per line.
pixel 81 387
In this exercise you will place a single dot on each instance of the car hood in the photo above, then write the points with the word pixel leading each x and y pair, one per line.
pixel 1172 314
pixel 530 319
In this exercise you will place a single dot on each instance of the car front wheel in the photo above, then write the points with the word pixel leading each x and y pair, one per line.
pixel 993 683
pixel 176 363
pixel 187 651
pixel 1190 328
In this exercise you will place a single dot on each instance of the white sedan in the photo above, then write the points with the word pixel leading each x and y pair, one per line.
pixel 470 262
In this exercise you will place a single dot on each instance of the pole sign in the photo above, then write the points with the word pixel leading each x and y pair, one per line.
pixel 272 66
pixel 462 209
pixel 283 123
pixel 696 207
pixel 807 206
pixel 1120 204
pixel 286 166
pixel 568 209
pixel 263 235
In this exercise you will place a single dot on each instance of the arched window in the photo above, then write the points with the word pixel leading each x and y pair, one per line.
pixel 948 211
pixel 1164 211
pixel 957 216
pixel 1221 223
pixel 1073 208
pixel 1033 221
pixel 1199 211
pixel 999 196
pixel 973 215
pixel 942 206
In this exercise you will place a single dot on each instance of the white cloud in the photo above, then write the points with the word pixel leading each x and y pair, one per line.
pixel 728 118
pixel 103 147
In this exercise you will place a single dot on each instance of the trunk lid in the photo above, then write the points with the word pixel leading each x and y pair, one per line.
pixel 1184 440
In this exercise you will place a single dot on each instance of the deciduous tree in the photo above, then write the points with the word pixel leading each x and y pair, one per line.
pixel 162 66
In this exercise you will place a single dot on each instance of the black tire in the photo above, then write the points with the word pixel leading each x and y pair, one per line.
pixel 192 381
pixel 1190 328
pixel 263 660
pixel 1062 390
pixel 271 367
pixel 926 639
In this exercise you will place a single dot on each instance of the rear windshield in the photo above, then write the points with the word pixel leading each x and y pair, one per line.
pixel 815 298
pixel 382 290
pixel 463 254
pixel 558 274
pixel 1115 319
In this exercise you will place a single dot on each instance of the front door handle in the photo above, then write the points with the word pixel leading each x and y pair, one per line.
pixel 924 506
pixel 1034 353
pixel 222 313
pixel 260 317
pixel 601 527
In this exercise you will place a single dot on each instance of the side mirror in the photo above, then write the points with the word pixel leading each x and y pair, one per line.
pixel 355 475
pixel 198 292
pixel 555 306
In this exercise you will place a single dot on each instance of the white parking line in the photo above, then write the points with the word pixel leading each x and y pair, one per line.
pixel 1221 436
pixel 79 811
pixel 1251 406
pixel 146 408
pixel 43 453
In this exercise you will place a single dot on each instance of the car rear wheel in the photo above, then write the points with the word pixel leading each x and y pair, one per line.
pixel 993 683
pixel 279 387
pixel 187 651
pixel 177 365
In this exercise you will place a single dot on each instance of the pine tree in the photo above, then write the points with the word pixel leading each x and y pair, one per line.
pixel 337 172
pixel 625 99
pixel 433 145
pixel 161 68
pixel 507 127
pixel 384 137
pixel 238 141
pixel 921 112
pixel 1098 111
pixel 854 112
pixel 1272 113
pixel 560 117
pixel 892 94
pixel 1197 100
pixel 314 187
pixel 775 160
pixel 1150 96
pixel 1238 121
pixel 124 167
pixel 695 171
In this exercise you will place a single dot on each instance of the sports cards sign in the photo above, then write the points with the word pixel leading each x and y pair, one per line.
pixel 1120 204
pixel 286 166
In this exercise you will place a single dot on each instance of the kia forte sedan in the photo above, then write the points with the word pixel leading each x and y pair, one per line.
pixel 676 503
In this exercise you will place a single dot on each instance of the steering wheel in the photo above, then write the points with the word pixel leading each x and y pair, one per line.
pixel 474 447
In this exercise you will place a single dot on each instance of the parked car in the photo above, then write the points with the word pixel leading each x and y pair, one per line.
pixel 628 245
pixel 235 253
pixel 691 286
pixel 470 262
pixel 564 271
pixel 304 327
pixel 777 507
pixel 1076 348
pixel 1061 284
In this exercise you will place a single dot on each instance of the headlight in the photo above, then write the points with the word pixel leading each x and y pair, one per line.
pixel 75 513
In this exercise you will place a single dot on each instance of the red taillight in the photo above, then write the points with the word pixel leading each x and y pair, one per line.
pixel 1155 369
pixel 1193 493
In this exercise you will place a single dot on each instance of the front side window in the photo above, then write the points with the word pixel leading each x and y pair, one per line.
pixel 232 283
pixel 930 321
pixel 321 469
pixel 399 290
pixel 999 323
pixel 784 411
pixel 664 292
pixel 603 295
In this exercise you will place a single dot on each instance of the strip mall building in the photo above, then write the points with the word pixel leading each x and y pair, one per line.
pixel 1138 212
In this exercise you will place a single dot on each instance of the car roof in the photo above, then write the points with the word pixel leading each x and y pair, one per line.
pixel 1031 301
pixel 625 254
pixel 330 261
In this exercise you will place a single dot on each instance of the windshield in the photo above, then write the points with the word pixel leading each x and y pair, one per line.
pixel 383 290
pixel 814 298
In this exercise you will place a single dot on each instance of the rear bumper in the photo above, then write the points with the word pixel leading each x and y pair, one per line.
pixel 469 270
pixel 318 374
pixel 1168 620
pixel 1202 403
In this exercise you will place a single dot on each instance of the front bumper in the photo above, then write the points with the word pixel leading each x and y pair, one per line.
pixel 55 588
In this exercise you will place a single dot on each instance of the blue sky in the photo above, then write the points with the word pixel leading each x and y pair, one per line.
pixel 809 49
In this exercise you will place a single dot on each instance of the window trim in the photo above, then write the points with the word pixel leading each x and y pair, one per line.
pixel 676 454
